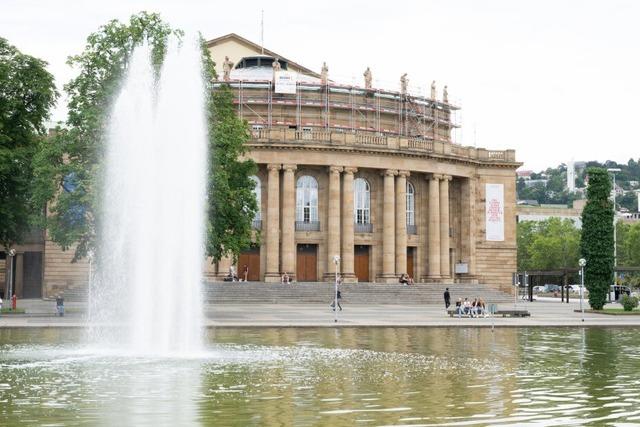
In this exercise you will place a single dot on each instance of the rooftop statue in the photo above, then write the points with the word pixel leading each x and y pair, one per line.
pixel 445 95
pixel 324 73
pixel 226 69
pixel 276 65
pixel 404 82
pixel 367 78
pixel 433 90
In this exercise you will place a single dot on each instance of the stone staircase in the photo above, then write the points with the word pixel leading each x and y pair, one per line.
pixel 320 292
pixel 352 293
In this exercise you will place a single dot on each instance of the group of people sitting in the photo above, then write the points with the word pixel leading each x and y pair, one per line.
pixel 406 280
pixel 475 308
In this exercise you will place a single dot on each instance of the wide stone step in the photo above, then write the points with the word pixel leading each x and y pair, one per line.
pixel 318 292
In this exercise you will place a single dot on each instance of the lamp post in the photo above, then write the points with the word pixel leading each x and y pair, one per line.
pixel 11 253
pixel 582 262
pixel 615 240
pixel 336 261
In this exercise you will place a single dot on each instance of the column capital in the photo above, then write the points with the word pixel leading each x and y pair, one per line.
pixel 350 170
pixel 389 172
pixel 335 169
pixel 289 167
pixel 446 177
pixel 274 167
pixel 434 177
pixel 404 173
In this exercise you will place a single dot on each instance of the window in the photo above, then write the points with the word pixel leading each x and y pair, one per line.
pixel 362 201
pixel 257 192
pixel 307 199
pixel 411 204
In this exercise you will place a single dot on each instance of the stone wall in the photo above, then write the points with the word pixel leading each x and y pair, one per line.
pixel 59 272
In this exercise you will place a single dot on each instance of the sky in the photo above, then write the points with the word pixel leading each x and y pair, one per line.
pixel 554 80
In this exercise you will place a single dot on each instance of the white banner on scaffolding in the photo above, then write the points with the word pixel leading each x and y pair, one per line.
pixel 494 212
pixel 286 82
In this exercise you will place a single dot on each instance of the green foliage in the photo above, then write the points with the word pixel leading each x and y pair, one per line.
pixel 232 204
pixel 27 93
pixel 69 165
pixel 628 302
pixel 547 245
pixel 596 245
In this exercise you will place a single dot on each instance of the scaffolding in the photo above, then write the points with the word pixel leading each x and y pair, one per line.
pixel 345 108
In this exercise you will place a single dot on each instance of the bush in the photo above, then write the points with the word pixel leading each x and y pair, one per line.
pixel 629 303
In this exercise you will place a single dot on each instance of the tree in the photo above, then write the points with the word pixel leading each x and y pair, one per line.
pixel 27 93
pixel 70 164
pixel 596 245
pixel 547 245
pixel 232 203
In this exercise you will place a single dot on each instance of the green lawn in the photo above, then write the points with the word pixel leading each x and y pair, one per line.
pixel 615 311
pixel 7 310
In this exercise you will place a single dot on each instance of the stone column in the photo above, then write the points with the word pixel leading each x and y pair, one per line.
pixel 223 268
pixel 434 228
pixel 388 227
pixel 348 274
pixel 273 224
pixel 401 222
pixel 445 269
pixel 333 221
pixel 288 220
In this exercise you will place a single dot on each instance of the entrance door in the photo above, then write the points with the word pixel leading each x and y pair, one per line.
pixel 250 258
pixel 32 276
pixel 410 272
pixel 361 262
pixel 307 263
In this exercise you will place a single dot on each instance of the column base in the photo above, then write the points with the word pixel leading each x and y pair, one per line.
pixel 349 278
pixel 329 277
pixel 432 279
pixel 272 277
pixel 387 278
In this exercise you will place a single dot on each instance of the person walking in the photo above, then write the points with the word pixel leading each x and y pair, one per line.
pixel 338 298
pixel 447 299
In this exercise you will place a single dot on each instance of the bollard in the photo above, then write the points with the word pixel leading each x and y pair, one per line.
pixel 14 302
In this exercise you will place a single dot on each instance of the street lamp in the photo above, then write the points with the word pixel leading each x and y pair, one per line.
pixel 336 261
pixel 582 262
pixel 11 253
pixel 615 239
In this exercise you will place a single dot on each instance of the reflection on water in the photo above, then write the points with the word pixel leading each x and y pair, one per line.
pixel 350 376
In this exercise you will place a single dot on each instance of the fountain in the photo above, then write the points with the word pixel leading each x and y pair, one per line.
pixel 148 282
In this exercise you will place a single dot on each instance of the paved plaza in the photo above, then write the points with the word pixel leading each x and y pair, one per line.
pixel 550 312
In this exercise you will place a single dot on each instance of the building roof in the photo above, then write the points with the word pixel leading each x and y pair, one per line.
pixel 233 36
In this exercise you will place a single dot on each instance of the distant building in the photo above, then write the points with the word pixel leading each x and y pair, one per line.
pixel 543 212
pixel 533 182
pixel 571 177
pixel 524 174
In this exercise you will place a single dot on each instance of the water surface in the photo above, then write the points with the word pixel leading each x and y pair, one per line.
pixel 338 377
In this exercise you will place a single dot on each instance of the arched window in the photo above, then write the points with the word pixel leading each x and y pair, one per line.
pixel 257 192
pixel 307 199
pixel 362 201
pixel 411 204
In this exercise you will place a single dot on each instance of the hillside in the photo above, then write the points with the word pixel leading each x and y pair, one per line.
pixel 550 185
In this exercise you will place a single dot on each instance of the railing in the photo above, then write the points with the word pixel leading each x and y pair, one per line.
pixel 313 135
pixel 412 229
pixel 256 224
pixel 307 225
pixel 365 139
pixel 420 144
pixel 363 228
pixel 332 137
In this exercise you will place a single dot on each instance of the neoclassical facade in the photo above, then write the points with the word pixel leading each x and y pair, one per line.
pixel 365 173
pixel 361 171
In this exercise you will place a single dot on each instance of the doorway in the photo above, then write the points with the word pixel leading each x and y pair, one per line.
pixel 251 259
pixel 361 262
pixel 410 260
pixel 307 263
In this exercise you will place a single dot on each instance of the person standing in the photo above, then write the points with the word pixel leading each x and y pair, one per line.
pixel 447 299
pixel 246 272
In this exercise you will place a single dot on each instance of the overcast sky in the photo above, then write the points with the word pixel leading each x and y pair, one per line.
pixel 555 80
